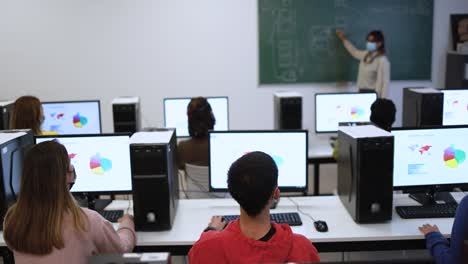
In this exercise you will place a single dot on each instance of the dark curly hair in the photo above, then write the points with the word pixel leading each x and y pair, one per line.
pixel 200 117
pixel 252 179
pixel 383 113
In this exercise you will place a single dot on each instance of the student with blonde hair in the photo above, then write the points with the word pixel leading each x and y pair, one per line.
pixel 46 225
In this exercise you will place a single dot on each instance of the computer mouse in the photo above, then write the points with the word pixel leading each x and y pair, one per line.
pixel 321 226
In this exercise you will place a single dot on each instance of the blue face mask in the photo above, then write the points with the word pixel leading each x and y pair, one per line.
pixel 371 46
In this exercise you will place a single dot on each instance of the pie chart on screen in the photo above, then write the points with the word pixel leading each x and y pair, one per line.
pixel 100 165
pixel 79 121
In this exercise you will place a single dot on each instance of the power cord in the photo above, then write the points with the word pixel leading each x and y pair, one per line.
pixel 129 202
pixel 300 210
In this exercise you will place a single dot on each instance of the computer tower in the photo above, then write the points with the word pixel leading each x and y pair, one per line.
pixel 6 108
pixel 365 173
pixel 288 110
pixel 13 145
pixel 154 179
pixel 456 75
pixel 422 107
pixel 126 114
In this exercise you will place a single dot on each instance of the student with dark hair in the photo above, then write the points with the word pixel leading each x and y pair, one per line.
pixel 27 114
pixel 383 113
pixel 200 121
pixel 253 238
pixel 374 67
pixel 46 225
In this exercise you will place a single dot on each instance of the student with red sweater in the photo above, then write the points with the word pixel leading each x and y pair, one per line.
pixel 253 238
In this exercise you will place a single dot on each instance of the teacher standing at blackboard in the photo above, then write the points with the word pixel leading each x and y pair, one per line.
pixel 374 67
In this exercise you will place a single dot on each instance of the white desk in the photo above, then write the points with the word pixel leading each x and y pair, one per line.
pixel 320 152
pixel 343 235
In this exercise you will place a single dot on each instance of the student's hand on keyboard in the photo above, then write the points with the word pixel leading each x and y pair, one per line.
pixel 426 229
pixel 125 217
pixel 217 222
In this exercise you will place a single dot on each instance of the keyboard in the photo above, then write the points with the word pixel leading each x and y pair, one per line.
pixel 292 219
pixel 112 215
pixel 431 211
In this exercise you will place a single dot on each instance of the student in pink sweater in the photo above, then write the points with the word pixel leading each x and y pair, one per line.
pixel 46 225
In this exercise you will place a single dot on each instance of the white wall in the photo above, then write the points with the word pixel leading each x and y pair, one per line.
pixel 87 49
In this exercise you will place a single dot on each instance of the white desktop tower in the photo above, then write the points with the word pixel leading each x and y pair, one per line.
pixel 126 114
pixel 287 110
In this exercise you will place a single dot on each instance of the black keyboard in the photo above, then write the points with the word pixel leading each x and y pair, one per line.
pixel 112 215
pixel 431 211
pixel 292 219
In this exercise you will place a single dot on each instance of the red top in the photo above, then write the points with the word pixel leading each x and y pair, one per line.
pixel 232 246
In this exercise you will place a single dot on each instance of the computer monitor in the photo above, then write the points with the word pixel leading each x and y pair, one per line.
pixel 175 114
pixel 430 159
pixel 455 107
pixel 71 118
pixel 13 145
pixel 102 162
pixel 288 149
pixel 333 108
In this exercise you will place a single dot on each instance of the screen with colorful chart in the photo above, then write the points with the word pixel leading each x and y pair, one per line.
pixel 175 114
pixel 434 156
pixel 455 107
pixel 102 162
pixel 331 109
pixel 67 118
pixel 288 149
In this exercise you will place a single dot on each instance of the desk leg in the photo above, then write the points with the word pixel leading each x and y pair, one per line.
pixel 316 178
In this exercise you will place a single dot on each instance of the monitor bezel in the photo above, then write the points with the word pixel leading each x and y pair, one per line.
pixel 80 101
pixel 443 111
pixel 418 188
pixel 315 108
pixel 291 131
pixel 189 98
pixel 95 135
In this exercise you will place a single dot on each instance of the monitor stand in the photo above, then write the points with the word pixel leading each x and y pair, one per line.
pixel 432 197
pixel 93 202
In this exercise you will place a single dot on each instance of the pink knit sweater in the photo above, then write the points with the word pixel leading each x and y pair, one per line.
pixel 100 237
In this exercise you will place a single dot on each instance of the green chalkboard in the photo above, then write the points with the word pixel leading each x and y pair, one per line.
pixel 298 44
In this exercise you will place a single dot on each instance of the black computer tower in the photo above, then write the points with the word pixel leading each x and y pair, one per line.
pixel 13 148
pixel 422 107
pixel 154 179
pixel 6 108
pixel 456 75
pixel 365 173
pixel 288 110
pixel 126 114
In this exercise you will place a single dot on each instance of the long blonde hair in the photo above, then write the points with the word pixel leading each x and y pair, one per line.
pixel 34 224
pixel 27 114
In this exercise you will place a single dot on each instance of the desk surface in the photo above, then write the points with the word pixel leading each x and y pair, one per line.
pixel 319 147
pixel 193 216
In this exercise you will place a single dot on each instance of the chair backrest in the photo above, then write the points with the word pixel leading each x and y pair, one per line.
pixel 196 181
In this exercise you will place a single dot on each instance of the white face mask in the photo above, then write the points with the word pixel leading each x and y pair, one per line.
pixel 371 46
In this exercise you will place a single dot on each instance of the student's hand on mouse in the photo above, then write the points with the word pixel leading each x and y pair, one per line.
pixel 341 34
pixel 217 222
pixel 426 229
pixel 125 217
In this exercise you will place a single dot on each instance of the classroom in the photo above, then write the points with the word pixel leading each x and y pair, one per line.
pixel 246 57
